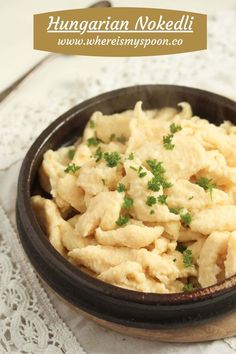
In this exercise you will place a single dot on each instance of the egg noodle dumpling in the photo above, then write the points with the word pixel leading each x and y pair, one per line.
pixel 146 200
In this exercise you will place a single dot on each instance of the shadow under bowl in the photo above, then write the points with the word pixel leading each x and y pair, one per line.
pixel 99 299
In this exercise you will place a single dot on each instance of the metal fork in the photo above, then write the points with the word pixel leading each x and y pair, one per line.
pixel 16 83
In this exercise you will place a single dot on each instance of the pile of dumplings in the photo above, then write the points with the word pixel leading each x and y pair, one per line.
pixel 145 200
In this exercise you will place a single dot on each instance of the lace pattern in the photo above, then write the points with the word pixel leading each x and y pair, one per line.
pixel 29 324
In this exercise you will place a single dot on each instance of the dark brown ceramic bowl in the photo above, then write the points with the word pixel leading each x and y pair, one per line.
pixel 110 303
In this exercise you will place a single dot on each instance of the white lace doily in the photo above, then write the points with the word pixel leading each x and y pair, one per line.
pixel 29 324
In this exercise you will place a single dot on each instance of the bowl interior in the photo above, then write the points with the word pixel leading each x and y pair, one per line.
pixel 70 126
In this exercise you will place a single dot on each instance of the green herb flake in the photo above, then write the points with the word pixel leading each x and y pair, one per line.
pixel 93 141
pixel 112 158
pixel 71 154
pixel 154 184
pixel 188 287
pixel 159 179
pixel 121 139
pixel 128 202
pixel 174 260
pixel 133 168
pixel 206 184
pixel 167 142
pixel 187 258
pixel 190 198
pixel 165 184
pixel 92 124
pixel 131 156
pixel 103 181
pixel 152 211
pixel 72 167
pixel 141 173
pixel 156 167
pixel 150 201
pixel 120 188
pixel 174 128
pixel 98 154
pixel 162 199
pixel 186 218
pixel 175 211
pixel 122 220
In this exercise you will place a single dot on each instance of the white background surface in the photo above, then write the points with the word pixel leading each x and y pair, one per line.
pixel 16 39
pixel 65 81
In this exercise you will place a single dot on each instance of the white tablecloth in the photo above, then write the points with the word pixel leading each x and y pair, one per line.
pixel 29 321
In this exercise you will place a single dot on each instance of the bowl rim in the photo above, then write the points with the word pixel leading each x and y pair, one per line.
pixel 52 257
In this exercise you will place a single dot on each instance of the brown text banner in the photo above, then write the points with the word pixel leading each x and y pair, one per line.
pixel 120 31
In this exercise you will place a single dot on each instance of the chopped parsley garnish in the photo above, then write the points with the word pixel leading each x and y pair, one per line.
pixel 141 173
pixel 176 211
pixel 103 181
pixel 181 248
pixel 159 179
pixel 156 167
pixel 165 184
pixel 121 139
pixel 139 170
pixel 187 258
pixel 71 154
pixel 122 220
pixel 154 184
pixel 92 123
pixel 72 167
pixel 186 218
pixel 162 199
pixel 190 198
pixel 93 141
pixel 152 211
pixel 128 202
pixel 131 156
pixel 133 168
pixel 167 142
pixel 167 139
pixel 174 128
pixel 188 287
pixel 98 154
pixel 120 188
pixel 174 260
pixel 206 184
pixel 150 201
pixel 112 158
